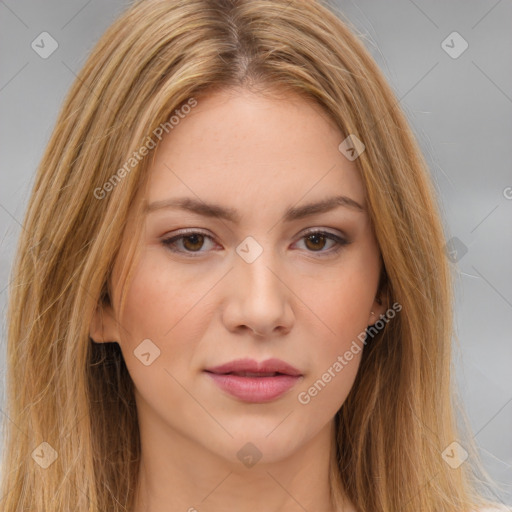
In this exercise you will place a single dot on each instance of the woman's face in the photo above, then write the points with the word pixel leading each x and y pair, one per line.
pixel 248 282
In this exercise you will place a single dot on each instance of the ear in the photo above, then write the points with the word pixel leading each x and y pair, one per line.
pixel 382 299
pixel 378 309
pixel 104 326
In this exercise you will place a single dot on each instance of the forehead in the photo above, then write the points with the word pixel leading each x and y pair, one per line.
pixel 246 149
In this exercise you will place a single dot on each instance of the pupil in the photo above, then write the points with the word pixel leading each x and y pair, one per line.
pixel 197 242
pixel 315 239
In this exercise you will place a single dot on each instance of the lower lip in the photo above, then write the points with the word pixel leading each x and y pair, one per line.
pixel 255 389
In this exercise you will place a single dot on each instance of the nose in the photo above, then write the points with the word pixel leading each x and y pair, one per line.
pixel 258 298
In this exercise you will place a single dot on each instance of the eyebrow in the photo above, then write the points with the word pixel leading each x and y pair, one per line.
pixel 230 214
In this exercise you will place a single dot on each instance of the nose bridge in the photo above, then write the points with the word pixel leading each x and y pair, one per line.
pixel 258 297
pixel 253 265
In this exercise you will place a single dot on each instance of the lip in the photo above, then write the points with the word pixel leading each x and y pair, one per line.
pixel 254 382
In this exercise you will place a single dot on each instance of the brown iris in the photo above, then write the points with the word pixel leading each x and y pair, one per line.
pixel 317 239
pixel 196 239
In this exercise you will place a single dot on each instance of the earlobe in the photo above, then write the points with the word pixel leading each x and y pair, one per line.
pixel 103 328
pixel 378 309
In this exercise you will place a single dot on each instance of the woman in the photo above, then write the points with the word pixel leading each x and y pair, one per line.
pixel 231 291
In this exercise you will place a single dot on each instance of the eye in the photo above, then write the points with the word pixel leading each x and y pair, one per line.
pixel 193 242
pixel 317 240
pixel 188 242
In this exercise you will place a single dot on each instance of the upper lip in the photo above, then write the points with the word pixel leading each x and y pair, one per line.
pixel 251 366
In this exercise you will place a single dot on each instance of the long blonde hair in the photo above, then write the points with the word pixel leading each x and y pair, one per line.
pixel 78 397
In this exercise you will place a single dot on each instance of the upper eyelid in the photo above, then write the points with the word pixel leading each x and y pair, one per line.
pixel 339 232
pixel 186 231
pixel 184 234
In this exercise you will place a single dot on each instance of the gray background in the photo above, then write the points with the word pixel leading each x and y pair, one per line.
pixel 460 109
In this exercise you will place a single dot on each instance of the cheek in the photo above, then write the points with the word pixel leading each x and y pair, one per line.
pixel 336 357
pixel 166 307
pixel 171 309
pixel 342 300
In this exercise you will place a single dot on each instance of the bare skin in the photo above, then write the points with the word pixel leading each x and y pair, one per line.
pixel 301 300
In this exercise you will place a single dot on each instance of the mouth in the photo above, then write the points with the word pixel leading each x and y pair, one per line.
pixel 253 382
pixel 252 374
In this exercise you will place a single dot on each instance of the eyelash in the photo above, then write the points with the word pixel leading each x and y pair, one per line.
pixel 341 242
